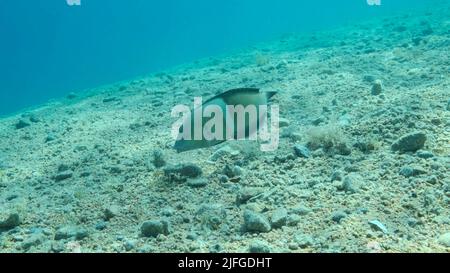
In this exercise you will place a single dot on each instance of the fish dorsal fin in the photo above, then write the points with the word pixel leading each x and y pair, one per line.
pixel 241 90
pixel 232 92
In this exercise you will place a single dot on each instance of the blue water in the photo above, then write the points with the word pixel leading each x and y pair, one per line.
pixel 49 49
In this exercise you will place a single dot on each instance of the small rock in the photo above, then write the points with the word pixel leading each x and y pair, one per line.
pixel 116 169
pixel 57 246
pixel 259 246
pixel 153 228
pixel 34 118
pixel 10 221
pixel 255 222
pixel 158 158
pixel 293 220
pixel 342 149
pixel 436 121
pixel 223 178
pixel 81 234
pixel 347 185
pixel 410 142
pixel 192 236
pixel 424 154
pixel 216 248
pixel 283 122
pixel 432 179
pixel 50 137
pixel 246 194
pixel 304 240
pixel 369 78
pixel 190 170
pixel 72 96
pixel 364 146
pixel 294 136
pixel 444 239
pixel 110 99
pixel 319 120
pixel 197 182
pixel 183 171
pixel 17 238
pixel 135 126
pixel 223 152
pixel 35 230
pixel 167 211
pixel 377 88
pixel 301 210
pixel 211 215
pixel 412 222
pixel 409 171
pixel 400 28
pixel 416 41
pixel 232 171
pixel 427 31
pixel 336 176
pixel 63 176
pixel 373 247
pixel 101 225
pixel 22 124
pixel 68 232
pixel 337 216
pixel 11 197
pixel 73 247
pixel 318 153
pixel 129 245
pixel 145 249
pixel 63 168
pixel 377 225
pixel 282 64
pixel 111 212
pixel 302 151
pixel 279 218
pixel 293 246
pixel 33 240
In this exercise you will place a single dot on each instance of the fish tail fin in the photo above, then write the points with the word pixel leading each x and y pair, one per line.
pixel 270 94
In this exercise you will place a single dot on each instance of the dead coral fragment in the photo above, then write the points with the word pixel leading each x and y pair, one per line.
pixel 181 172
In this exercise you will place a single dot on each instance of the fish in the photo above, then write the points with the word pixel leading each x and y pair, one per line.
pixel 234 97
